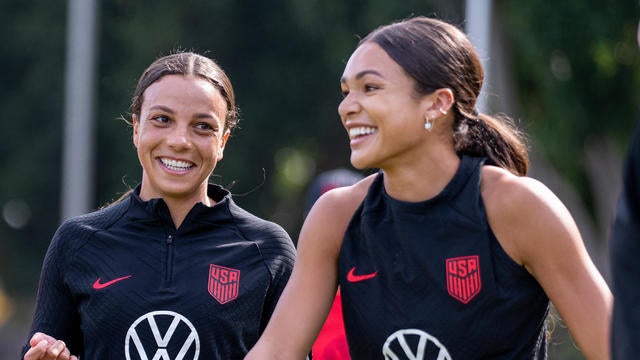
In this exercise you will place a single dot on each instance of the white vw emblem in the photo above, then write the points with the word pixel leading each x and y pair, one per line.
pixel 149 323
pixel 413 344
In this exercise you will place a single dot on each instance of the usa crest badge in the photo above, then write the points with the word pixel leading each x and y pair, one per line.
pixel 463 277
pixel 224 283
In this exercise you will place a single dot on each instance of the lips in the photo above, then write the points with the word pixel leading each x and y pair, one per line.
pixel 177 165
pixel 359 134
pixel 359 131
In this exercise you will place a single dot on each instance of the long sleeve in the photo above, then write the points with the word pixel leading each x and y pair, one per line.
pixel 55 313
pixel 279 256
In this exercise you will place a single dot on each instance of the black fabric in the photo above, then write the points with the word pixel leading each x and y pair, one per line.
pixel 625 259
pixel 429 280
pixel 162 301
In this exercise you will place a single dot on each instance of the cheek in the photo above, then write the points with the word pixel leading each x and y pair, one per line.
pixel 209 148
pixel 139 141
pixel 139 132
pixel 147 136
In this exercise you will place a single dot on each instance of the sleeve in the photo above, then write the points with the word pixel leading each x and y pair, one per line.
pixel 625 252
pixel 279 255
pixel 55 313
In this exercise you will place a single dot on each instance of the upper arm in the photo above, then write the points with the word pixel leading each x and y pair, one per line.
pixel 307 298
pixel 537 231
pixel 279 255
pixel 55 313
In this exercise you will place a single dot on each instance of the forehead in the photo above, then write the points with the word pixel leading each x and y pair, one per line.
pixel 370 57
pixel 174 84
pixel 180 90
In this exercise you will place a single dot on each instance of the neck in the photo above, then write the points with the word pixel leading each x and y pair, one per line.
pixel 423 179
pixel 179 206
pixel 178 210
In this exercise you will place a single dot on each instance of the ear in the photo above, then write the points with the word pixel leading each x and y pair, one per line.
pixel 445 99
pixel 441 102
pixel 136 125
pixel 223 143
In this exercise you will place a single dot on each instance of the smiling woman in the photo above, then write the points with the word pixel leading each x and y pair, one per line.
pixel 450 237
pixel 180 136
pixel 174 269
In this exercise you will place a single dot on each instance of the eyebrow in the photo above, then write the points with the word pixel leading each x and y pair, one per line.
pixel 162 108
pixel 170 111
pixel 361 74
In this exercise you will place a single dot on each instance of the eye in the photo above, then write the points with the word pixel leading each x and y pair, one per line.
pixel 204 126
pixel 369 88
pixel 344 92
pixel 163 119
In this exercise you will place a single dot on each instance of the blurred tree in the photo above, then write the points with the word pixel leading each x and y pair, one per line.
pixel 577 75
pixel 576 65
pixel 31 102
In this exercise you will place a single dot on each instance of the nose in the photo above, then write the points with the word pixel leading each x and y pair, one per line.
pixel 348 106
pixel 179 138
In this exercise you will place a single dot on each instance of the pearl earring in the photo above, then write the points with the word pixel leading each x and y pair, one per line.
pixel 428 125
pixel 443 112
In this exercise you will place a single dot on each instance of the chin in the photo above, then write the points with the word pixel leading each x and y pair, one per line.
pixel 359 164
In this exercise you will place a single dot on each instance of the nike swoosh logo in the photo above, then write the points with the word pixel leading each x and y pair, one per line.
pixel 98 285
pixel 352 277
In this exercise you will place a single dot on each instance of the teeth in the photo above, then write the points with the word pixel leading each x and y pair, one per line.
pixel 176 164
pixel 359 131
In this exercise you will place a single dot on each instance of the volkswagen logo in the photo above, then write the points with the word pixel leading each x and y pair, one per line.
pixel 173 338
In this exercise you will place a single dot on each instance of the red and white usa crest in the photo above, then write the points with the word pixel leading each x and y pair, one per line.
pixel 224 283
pixel 463 277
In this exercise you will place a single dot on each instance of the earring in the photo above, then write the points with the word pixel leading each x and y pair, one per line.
pixel 443 112
pixel 428 125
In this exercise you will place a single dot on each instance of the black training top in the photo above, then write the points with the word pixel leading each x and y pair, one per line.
pixel 124 283
pixel 429 280
pixel 625 252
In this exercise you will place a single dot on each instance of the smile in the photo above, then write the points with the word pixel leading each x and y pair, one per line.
pixel 360 131
pixel 176 165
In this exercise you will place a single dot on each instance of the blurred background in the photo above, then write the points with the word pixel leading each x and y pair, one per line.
pixel 567 71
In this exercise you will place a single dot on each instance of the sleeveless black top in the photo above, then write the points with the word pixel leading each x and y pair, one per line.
pixel 429 280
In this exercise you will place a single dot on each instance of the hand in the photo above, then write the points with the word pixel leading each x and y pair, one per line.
pixel 45 347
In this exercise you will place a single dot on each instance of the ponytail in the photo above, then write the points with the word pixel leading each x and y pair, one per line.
pixel 493 137
pixel 438 55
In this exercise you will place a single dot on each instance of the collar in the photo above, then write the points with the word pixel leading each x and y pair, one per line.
pixel 156 209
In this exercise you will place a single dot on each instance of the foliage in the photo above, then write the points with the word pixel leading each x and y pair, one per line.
pixel 31 102
pixel 576 65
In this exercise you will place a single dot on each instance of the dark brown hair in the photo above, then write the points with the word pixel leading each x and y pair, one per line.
pixel 188 63
pixel 438 55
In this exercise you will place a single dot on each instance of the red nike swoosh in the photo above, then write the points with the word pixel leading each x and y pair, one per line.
pixel 351 277
pixel 98 285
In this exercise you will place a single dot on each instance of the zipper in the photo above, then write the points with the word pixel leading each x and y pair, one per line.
pixel 169 259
